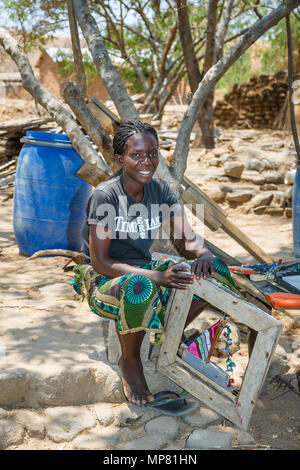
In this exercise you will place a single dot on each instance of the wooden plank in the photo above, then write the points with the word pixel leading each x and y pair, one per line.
pixel 207 380
pixel 243 311
pixel 175 325
pixel 91 174
pixel 256 371
pixel 109 120
pixel 194 195
pixel 169 363
pixel 243 282
pixel 189 196
pixel 222 254
pixel 206 199
pixel 183 377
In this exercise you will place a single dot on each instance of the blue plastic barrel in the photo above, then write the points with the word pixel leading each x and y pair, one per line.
pixel 49 199
pixel 296 213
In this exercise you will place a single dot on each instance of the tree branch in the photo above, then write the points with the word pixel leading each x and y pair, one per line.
pixel 77 56
pixel 211 78
pixel 90 123
pixel 52 105
pixel 108 74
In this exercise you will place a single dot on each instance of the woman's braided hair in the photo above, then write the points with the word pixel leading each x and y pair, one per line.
pixel 128 129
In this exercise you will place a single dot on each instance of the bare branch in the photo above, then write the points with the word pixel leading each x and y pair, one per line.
pixel 222 29
pixel 77 56
pixel 52 105
pixel 90 124
pixel 109 75
pixel 211 78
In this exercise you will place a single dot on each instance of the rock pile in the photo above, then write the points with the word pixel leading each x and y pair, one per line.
pixel 255 104
pixel 11 133
pixel 259 178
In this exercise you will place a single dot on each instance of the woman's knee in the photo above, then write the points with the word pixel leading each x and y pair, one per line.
pixel 139 288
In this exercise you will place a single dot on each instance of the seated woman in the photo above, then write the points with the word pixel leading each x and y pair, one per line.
pixel 122 282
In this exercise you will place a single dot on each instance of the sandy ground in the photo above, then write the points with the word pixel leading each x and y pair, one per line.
pixel 276 419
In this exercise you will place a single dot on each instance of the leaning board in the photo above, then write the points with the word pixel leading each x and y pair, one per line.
pixel 237 409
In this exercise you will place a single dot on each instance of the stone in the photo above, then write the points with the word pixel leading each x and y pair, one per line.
pixel 268 165
pixel 255 164
pixel 272 177
pixel 288 212
pixel 253 178
pixel 239 196
pixel 214 162
pixel 233 169
pixel 3 413
pixel 243 437
pixel 146 443
pixel 236 143
pixel 126 435
pixel 33 422
pixel 248 153
pixel 220 151
pixel 275 211
pixel 289 195
pixel 261 199
pixel 259 210
pixel 279 364
pixel 103 438
pixel 269 187
pixel 113 388
pixel 217 196
pixel 203 439
pixel 65 423
pixel 225 188
pixel 129 413
pixel 290 176
pixel 279 199
pixel 11 433
pixel 164 426
pixel 104 413
pixel 201 418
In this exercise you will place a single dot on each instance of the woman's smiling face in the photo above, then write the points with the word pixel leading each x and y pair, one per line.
pixel 140 158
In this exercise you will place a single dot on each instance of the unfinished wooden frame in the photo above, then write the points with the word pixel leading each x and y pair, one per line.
pixel 237 409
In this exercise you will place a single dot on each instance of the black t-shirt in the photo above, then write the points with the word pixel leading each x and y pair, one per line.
pixel 133 225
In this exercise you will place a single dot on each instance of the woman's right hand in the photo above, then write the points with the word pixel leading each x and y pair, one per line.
pixel 177 277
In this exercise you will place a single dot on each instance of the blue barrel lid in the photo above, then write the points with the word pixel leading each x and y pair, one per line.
pixel 47 136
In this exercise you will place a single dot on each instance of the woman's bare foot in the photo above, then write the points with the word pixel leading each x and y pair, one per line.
pixel 135 387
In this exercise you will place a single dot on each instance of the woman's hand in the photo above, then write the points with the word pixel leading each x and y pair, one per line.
pixel 177 277
pixel 202 264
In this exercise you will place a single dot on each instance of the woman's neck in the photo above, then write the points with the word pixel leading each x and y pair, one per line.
pixel 134 189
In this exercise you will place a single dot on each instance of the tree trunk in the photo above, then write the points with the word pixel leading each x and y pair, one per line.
pixel 212 77
pixel 77 56
pixel 207 115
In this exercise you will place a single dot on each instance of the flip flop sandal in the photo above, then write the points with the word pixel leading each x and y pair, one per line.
pixel 171 404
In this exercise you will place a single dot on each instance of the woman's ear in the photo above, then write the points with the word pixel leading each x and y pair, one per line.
pixel 119 159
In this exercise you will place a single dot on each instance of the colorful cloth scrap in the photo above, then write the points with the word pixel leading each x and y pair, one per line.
pixel 200 346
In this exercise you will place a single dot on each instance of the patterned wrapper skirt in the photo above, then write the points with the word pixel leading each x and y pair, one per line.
pixel 135 302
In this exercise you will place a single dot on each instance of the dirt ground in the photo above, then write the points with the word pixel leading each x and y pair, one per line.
pixel 276 419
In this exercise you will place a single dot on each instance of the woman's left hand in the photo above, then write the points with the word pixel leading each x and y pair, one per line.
pixel 204 263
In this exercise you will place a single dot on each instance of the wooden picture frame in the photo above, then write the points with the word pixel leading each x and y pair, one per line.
pixel 237 409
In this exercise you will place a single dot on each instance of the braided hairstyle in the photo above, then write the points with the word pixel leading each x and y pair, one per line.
pixel 127 130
